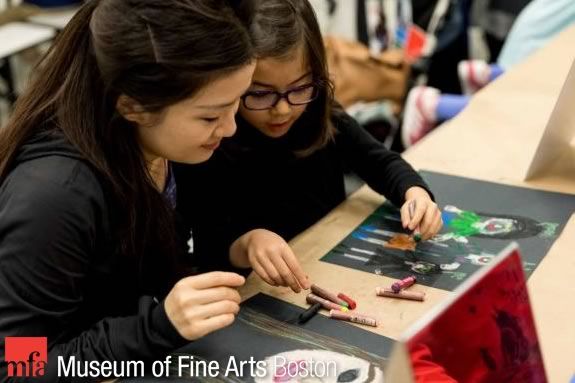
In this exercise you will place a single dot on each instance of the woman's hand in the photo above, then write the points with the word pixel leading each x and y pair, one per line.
pixel 426 217
pixel 204 303
pixel 271 258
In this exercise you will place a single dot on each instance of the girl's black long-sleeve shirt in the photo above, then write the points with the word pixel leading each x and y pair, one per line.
pixel 255 181
pixel 61 276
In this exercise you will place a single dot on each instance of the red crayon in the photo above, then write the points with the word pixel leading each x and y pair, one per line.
pixel 350 302
pixel 327 295
pixel 311 298
pixel 411 295
pixel 353 317
pixel 403 284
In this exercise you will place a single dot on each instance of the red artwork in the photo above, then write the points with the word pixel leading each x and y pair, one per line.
pixel 487 334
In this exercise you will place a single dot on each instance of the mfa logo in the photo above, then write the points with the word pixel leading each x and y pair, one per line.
pixel 26 356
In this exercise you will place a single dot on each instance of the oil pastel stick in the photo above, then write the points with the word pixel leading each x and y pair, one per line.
pixel 350 302
pixel 404 283
pixel 309 313
pixel 353 317
pixel 411 295
pixel 320 292
pixel 328 305
pixel 416 233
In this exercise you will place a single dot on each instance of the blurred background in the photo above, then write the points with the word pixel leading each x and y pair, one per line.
pixel 379 52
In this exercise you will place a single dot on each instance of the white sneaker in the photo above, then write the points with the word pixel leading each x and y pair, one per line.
pixel 473 75
pixel 420 114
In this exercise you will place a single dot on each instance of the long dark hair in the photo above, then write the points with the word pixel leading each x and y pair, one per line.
pixel 157 52
pixel 277 28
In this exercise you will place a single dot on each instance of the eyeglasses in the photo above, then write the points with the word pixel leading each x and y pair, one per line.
pixel 267 99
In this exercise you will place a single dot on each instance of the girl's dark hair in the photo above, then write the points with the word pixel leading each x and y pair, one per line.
pixel 277 28
pixel 158 52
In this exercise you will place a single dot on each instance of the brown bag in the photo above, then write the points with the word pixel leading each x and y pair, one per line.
pixel 360 76
pixel 18 13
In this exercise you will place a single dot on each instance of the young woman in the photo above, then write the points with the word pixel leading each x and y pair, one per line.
pixel 90 255
pixel 284 170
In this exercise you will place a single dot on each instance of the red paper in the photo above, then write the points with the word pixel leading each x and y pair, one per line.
pixel 416 39
pixel 487 335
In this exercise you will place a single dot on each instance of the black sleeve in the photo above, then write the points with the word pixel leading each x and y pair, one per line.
pixel 47 241
pixel 384 171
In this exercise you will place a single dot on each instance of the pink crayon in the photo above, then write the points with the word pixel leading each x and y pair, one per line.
pixel 403 284
pixel 353 317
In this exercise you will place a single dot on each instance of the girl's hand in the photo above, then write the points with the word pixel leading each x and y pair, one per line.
pixel 272 259
pixel 204 303
pixel 426 215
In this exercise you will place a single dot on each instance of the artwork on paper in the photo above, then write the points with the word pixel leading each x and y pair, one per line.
pixel 486 333
pixel 266 331
pixel 480 218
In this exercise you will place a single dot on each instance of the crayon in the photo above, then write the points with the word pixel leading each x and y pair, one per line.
pixel 327 295
pixel 411 295
pixel 328 305
pixel 350 302
pixel 404 283
pixel 309 313
pixel 416 233
pixel 353 317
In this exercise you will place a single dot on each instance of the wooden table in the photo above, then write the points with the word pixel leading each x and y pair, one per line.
pixel 493 139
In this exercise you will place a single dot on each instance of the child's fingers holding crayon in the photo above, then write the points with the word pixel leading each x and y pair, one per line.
pixel 422 211
pixel 418 208
pixel 405 214
pixel 430 221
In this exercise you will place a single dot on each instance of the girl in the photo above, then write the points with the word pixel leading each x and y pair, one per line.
pixel 286 164
pixel 88 242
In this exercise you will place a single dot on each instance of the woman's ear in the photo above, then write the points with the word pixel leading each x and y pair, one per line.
pixel 133 111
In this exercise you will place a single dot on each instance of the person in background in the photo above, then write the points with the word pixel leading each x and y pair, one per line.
pixel 495 18
pixel 539 22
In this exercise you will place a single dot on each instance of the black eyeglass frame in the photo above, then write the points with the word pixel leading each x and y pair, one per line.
pixel 282 95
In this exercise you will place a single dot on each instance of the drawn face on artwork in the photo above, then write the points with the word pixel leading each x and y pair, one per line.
pixel 450 266
pixel 319 366
pixel 495 226
pixel 480 259
pixel 422 267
